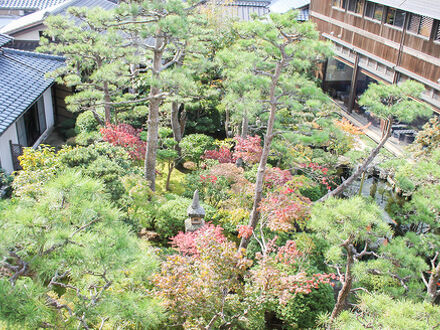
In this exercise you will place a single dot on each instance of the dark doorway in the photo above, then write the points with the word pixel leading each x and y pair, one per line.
pixel 32 124
pixel 337 81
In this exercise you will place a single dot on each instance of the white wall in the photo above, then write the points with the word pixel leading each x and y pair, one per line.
pixel 29 34
pixel 48 107
pixel 5 150
pixel 50 116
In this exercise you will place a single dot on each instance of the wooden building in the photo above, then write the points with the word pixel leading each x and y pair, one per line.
pixel 380 40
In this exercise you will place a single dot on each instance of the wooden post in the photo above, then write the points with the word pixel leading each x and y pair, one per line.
pixel 353 86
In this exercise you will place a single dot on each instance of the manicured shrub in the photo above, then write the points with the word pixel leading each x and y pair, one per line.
pixel 171 216
pixel 301 312
pixel 194 146
pixel 223 155
pixel 86 122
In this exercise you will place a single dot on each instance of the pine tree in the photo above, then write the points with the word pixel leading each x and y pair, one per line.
pixel 267 65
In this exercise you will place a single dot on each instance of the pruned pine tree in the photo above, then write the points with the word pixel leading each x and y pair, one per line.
pixel 166 36
pixel 347 224
pixel 98 61
pixel 65 257
pixel 387 102
pixel 379 311
pixel 267 66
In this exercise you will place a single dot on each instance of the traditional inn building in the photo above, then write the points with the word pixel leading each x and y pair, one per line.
pixel 27 106
pixel 379 40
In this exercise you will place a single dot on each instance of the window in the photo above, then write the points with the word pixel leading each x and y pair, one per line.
pixel 374 11
pixel 420 25
pixel 395 17
pixel 378 12
pixel 426 26
pixel 356 6
pixel 340 4
pixel 437 32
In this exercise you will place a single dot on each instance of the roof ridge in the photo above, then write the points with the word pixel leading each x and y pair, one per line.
pixel 34 54
pixel 6 36
pixel 23 63
pixel 62 6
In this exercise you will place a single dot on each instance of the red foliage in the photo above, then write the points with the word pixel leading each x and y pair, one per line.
pixel 275 176
pixel 245 231
pixel 190 243
pixel 279 276
pixel 126 136
pixel 288 254
pixel 208 178
pixel 249 149
pixel 223 155
pixel 285 206
pixel 320 173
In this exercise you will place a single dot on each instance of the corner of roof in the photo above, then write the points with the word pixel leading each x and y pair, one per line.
pixel 35 54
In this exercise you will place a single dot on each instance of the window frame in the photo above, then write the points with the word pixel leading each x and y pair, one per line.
pixel 388 9
pixel 340 5
pixel 356 5
pixel 375 7
pixel 421 19
pixel 436 32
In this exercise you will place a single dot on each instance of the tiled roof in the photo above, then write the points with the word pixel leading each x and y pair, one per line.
pixel 61 9
pixel 4 39
pixel 22 81
pixel 29 4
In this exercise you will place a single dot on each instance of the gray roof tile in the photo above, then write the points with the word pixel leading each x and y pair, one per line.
pixel 4 39
pixel 22 81
pixel 29 4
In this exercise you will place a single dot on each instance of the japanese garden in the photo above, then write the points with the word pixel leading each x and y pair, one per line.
pixel 206 181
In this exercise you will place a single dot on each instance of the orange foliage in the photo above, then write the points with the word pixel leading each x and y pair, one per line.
pixel 349 128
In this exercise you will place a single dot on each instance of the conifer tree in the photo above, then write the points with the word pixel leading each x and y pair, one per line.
pixel 267 66
pixel 346 225
pixel 97 60
pixel 166 36
pixel 65 257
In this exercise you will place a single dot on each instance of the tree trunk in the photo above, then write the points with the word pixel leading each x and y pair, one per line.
pixel 98 118
pixel 178 124
pixel 346 284
pixel 175 124
pixel 432 284
pixel 107 100
pixel 153 118
pixel 361 169
pixel 255 214
pixel 170 169
pixel 228 135
pixel 245 125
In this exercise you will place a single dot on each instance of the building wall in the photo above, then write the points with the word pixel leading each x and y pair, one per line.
pixel 11 133
pixel 30 34
pixel 388 53
pixel 5 151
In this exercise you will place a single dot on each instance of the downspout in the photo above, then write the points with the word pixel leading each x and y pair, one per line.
pixel 399 55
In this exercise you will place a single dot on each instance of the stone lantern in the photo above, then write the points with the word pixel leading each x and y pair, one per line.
pixel 196 214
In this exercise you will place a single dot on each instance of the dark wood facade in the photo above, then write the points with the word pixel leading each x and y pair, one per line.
pixel 388 44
